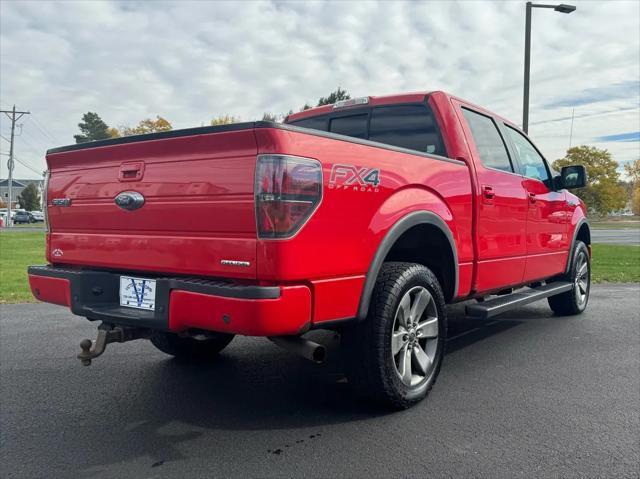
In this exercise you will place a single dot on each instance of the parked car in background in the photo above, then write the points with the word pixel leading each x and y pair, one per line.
pixel 37 215
pixel 23 217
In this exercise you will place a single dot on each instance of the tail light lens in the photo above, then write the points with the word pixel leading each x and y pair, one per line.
pixel 45 201
pixel 288 190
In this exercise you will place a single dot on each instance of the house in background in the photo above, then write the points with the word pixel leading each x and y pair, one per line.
pixel 17 187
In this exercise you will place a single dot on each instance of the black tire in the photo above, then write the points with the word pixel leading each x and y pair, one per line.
pixel 371 367
pixel 574 301
pixel 191 348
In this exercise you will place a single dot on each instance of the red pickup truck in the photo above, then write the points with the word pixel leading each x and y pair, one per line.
pixel 367 217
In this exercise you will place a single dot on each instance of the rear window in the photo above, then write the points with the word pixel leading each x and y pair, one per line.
pixel 353 125
pixel 315 123
pixel 406 126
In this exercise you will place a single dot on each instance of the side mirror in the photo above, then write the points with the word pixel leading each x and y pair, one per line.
pixel 574 176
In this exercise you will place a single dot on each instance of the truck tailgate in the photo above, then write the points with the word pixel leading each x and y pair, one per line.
pixel 198 206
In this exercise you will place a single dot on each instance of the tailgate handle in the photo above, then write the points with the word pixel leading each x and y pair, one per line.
pixel 131 171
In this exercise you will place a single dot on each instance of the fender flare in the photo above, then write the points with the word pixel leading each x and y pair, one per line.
pixel 397 230
pixel 581 221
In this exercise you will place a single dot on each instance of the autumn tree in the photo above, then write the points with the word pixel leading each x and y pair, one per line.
pixel 224 120
pixel 333 97
pixel 148 125
pixel 603 193
pixel 29 199
pixel 92 128
pixel 633 172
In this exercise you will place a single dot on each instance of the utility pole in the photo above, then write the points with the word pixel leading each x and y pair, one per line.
pixel 11 114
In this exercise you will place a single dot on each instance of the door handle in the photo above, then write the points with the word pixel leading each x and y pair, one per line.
pixel 132 171
pixel 532 198
pixel 488 194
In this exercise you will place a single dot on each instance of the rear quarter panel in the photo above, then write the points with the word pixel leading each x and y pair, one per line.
pixel 343 235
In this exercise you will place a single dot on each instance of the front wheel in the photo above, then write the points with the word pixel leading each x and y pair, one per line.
pixel 191 347
pixel 575 301
pixel 394 355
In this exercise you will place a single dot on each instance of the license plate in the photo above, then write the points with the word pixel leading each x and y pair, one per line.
pixel 138 293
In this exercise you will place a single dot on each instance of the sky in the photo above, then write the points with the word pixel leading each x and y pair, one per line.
pixel 193 61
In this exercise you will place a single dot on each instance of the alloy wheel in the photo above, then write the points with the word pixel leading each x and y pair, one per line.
pixel 414 339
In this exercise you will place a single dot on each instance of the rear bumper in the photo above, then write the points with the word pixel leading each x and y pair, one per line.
pixel 181 303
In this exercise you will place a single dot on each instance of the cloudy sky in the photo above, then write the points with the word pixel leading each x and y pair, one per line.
pixel 190 62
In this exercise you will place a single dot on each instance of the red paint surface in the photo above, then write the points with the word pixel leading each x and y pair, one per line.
pixel 50 290
pixel 289 314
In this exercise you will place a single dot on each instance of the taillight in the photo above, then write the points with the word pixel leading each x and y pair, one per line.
pixel 45 202
pixel 288 190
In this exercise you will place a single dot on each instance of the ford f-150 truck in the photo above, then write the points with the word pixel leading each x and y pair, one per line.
pixel 366 217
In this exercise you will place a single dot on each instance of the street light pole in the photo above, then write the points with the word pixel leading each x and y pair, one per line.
pixel 527 69
pixel 562 8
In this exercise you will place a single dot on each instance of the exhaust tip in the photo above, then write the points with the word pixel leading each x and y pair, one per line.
pixel 319 355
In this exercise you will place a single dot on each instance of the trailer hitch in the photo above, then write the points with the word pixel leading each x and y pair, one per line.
pixel 108 333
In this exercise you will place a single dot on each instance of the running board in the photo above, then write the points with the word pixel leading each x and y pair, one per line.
pixel 493 307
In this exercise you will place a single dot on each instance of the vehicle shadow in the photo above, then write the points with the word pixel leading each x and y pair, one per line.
pixel 252 386
pixel 256 385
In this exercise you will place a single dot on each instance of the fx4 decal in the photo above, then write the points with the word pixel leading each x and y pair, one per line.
pixel 349 177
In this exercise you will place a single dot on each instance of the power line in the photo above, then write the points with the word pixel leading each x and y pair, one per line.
pixel 39 173
pixel 43 130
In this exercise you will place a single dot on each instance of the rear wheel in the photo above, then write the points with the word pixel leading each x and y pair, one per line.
pixel 575 301
pixel 394 356
pixel 205 347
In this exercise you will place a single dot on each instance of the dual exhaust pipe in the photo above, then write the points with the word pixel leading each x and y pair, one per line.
pixel 303 347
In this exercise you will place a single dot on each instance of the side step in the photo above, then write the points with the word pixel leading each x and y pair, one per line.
pixel 493 307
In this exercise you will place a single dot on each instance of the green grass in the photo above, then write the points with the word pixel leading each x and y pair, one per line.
pixel 611 263
pixel 615 263
pixel 17 251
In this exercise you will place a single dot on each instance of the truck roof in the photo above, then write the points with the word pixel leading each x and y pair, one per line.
pixel 412 97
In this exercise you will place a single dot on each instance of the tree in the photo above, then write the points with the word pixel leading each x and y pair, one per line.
pixel 92 128
pixel 603 193
pixel 635 201
pixel 29 199
pixel 633 171
pixel 145 126
pixel 224 120
pixel 270 117
pixel 333 97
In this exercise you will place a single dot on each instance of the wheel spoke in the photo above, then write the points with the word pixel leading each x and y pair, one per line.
pixel 422 359
pixel 404 310
pixel 582 270
pixel 398 341
pixel 583 286
pixel 405 365
pixel 420 302
pixel 428 328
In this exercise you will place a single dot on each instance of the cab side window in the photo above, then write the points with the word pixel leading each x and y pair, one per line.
pixel 533 164
pixel 488 140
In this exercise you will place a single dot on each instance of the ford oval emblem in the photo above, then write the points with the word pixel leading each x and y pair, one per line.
pixel 129 200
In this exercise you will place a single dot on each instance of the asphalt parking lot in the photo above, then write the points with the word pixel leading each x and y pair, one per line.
pixel 527 395
pixel 629 236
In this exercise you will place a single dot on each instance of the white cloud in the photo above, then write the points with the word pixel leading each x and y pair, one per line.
pixel 190 61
